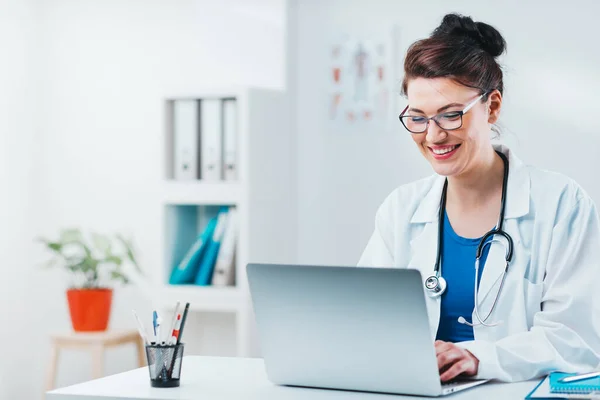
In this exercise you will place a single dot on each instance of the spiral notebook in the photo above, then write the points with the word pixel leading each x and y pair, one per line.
pixel 583 387
pixel 550 388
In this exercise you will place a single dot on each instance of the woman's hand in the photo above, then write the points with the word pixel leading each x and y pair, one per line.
pixel 453 361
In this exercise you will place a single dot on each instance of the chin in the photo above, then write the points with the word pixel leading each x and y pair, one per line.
pixel 445 168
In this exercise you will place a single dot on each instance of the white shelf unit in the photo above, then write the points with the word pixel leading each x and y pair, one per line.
pixel 201 193
pixel 263 195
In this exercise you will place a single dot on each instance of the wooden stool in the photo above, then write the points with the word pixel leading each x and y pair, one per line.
pixel 96 342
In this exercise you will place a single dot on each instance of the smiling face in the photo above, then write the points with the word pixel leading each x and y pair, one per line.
pixel 452 152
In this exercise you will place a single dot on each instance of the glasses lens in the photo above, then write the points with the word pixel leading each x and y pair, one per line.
pixel 415 123
pixel 449 120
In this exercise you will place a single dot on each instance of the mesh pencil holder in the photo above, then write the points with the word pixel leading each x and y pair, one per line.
pixel 164 364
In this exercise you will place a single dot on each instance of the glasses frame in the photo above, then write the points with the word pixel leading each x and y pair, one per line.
pixel 437 116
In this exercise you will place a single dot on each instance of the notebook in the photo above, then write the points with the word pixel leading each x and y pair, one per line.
pixel 584 387
pixel 550 388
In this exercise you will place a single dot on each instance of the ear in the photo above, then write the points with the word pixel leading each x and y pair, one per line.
pixel 494 104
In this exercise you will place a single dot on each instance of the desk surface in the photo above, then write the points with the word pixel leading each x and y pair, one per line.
pixel 225 378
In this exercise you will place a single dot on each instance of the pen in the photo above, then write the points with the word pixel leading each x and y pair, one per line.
pixel 173 322
pixel 580 377
pixel 175 333
pixel 141 328
pixel 159 338
pixel 179 334
pixel 155 325
pixel 183 318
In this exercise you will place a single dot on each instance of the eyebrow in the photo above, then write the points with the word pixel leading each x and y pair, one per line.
pixel 439 109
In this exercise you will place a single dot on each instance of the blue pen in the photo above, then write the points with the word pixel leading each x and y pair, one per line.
pixel 155 324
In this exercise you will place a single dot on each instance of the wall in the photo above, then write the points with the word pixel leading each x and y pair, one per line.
pixel 102 68
pixel 17 116
pixel 343 175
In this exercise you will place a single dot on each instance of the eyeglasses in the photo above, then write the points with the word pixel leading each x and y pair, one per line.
pixel 448 121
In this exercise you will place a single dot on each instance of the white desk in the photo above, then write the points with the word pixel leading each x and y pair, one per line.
pixel 224 378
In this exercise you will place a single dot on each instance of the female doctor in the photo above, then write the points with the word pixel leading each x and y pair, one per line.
pixel 509 253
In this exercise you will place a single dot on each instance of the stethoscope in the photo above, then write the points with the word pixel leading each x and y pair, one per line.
pixel 436 284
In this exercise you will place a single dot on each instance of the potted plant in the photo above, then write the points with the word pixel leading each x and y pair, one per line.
pixel 95 262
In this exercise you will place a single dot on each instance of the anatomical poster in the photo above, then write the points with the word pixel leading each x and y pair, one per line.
pixel 362 80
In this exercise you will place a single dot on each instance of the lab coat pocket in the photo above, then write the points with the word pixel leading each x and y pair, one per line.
pixel 532 295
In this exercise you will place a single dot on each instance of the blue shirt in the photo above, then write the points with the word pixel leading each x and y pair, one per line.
pixel 458 269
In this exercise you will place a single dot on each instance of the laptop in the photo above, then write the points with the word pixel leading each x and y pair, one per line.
pixel 349 328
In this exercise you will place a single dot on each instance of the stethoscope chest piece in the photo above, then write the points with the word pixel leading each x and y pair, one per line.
pixel 435 286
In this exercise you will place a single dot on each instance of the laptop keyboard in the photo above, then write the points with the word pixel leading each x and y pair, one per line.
pixel 447 385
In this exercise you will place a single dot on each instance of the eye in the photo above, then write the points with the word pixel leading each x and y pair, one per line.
pixel 417 120
pixel 450 116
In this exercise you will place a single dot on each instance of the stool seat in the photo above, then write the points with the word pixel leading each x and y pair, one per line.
pixel 108 338
pixel 96 343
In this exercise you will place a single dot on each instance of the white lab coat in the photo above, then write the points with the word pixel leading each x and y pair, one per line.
pixel 550 302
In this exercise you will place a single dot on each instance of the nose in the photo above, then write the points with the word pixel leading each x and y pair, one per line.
pixel 434 133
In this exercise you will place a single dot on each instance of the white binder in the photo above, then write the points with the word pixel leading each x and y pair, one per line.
pixel 224 272
pixel 185 139
pixel 230 140
pixel 211 140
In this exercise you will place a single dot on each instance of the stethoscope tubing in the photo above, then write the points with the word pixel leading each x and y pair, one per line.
pixel 439 286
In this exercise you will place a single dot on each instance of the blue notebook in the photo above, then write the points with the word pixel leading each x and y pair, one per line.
pixel 580 387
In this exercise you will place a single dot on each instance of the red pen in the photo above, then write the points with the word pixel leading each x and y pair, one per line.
pixel 175 332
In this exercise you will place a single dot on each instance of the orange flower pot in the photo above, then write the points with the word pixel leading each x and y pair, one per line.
pixel 89 309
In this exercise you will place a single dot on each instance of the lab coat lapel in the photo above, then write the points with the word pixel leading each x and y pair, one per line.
pixel 423 255
pixel 424 225
pixel 517 206
pixel 423 245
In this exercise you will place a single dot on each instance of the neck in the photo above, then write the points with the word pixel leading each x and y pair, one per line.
pixel 482 183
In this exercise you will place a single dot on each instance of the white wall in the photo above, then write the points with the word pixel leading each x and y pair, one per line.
pixel 551 84
pixel 101 71
pixel 17 116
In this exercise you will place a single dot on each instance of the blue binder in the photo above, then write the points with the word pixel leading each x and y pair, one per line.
pixel 209 258
pixel 187 269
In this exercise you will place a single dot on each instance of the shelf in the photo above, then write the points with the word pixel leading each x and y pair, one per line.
pixel 203 298
pixel 198 192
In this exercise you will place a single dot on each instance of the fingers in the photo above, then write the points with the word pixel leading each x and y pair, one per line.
pixel 458 368
pixel 446 353
pixel 448 357
pixel 441 346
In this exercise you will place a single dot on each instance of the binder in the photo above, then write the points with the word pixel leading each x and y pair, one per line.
pixel 185 139
pixel 211 140
pixel 181 232
pixel 224 271
pixel 230 140
pixel 207 263
pixel 188 268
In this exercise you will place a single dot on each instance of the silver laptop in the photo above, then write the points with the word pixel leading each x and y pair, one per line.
pixel 350 328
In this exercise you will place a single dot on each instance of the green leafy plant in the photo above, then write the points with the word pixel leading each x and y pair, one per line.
pixel 95 260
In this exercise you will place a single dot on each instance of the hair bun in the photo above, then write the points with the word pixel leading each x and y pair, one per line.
pixel 485 36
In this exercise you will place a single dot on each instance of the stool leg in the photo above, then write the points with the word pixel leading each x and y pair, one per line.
pixel 141 352
pixel 51 377
pixel 97 361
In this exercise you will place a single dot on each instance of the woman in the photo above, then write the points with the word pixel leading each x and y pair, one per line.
pixel 545 310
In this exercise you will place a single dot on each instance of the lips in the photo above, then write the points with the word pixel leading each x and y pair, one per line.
pixel 444 152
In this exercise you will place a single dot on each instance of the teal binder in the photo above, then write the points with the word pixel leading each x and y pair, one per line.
pixel 209 258
pixel 187 269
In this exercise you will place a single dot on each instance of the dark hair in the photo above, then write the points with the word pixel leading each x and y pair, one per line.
pixel 459 49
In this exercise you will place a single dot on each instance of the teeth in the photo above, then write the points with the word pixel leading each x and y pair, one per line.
pixel 444 150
